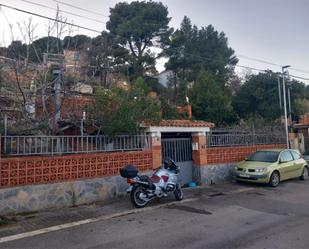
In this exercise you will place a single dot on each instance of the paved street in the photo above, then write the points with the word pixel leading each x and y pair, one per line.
pixel 227 216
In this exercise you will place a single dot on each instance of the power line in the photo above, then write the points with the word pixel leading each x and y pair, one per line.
pixel 79 8
pixel 240 66
pixel 258 60
pixel 299 70
pixel 298 77
pixel 261 70
pixel 271 63
pixel 204 58
pixel 251 68
pixel 50 18
pixel 64 11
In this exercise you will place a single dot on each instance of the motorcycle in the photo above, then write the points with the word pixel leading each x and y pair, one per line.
pixel 143 188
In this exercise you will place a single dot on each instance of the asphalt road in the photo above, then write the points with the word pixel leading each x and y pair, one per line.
pixel 261 217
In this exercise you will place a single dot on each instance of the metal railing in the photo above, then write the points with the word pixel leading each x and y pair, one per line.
pixel 179 149
pixel 57 145
pixel 222 140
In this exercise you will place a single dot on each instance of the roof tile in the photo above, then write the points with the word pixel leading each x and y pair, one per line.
pixel 182 123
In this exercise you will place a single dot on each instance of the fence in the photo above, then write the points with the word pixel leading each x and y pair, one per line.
pixel 51 145
pixel 179 149
pixel 225 140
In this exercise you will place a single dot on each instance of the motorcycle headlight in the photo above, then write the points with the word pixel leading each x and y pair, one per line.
pixel 261 170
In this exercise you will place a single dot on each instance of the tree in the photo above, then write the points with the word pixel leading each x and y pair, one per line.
pixel 16 50
pixel 99 54
pixel 299 97
pixel 77 42
pixel 118 111
pixel 137 27
pixel 191 49
pixel 209 102
pixel 44 45
pixel 258 96
pixel 233 84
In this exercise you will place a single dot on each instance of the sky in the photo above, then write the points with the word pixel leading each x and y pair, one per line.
pixel 270 30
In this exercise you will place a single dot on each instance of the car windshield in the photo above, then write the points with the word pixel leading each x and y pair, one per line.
pixel 264 156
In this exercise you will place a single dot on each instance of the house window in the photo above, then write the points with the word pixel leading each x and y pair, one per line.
pixel 76 56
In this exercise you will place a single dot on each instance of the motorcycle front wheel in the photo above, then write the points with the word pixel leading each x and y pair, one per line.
pixel 178 193
pixel 139 196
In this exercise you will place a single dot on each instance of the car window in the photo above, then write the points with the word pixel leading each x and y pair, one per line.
pixel 264 156
pixel 286 156
pixel 295 154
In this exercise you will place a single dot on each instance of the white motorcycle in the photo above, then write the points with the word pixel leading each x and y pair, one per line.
pixel 144 188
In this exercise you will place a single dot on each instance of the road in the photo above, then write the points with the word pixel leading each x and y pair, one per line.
pixel 250 217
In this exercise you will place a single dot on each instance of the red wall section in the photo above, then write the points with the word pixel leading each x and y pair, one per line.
pixel 217 155
pixel 39 170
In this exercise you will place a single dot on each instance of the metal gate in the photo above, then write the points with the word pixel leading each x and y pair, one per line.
pixel 180 150
pixel 306 144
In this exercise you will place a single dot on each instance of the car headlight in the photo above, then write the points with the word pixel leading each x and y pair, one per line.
pixel 261 170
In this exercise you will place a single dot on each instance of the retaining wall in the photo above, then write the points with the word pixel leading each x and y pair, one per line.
pixel 58 195
pixel 36 183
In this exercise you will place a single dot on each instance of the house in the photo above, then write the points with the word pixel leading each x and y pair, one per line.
pixel 165 77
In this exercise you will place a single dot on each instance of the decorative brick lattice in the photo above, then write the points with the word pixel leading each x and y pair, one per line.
pixel 40 170
pixel 217 155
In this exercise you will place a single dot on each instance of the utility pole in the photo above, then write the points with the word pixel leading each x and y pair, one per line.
pixel 57 88
pixel 5 132
pixel 82 123
pixel 279 91
pixel 290 107
pixel 5 125
pixel 285 111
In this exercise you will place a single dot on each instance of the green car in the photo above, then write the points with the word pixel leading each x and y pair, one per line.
pixel 272 166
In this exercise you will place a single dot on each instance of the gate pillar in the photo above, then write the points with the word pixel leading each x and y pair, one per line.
pixel 156 149
pixel 199 153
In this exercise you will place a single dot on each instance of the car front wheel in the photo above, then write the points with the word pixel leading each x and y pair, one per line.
pixel 305 174
pixel 274 179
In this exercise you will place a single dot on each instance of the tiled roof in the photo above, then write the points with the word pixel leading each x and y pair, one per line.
pixel 181 123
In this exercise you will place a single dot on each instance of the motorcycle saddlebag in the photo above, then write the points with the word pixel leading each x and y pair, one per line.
pixel 128 171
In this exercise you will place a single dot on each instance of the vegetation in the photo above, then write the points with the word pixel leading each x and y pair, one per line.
pixel 119 111
pixel 138 26
pixel 200 60
pixel 258 97
pixel 209 102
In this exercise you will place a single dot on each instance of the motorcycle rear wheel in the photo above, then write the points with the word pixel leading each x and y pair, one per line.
pixel 178 193
pixel 136 195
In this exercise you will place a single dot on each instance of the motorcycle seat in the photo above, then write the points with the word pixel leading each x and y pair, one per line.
pixel 155 178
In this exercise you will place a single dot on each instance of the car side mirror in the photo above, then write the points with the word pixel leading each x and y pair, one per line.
pixel 281 161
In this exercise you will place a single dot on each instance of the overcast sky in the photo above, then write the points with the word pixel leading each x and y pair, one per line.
pixel 271 30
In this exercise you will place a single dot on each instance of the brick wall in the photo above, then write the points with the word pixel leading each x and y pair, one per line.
pixel 39 170
pixel 304 120
pixel 156 151
pixel 217 155
pixel 71 107
pixel 199 156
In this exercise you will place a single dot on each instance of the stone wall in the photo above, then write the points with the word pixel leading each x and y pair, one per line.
pixel 213 173
pixel 58 195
